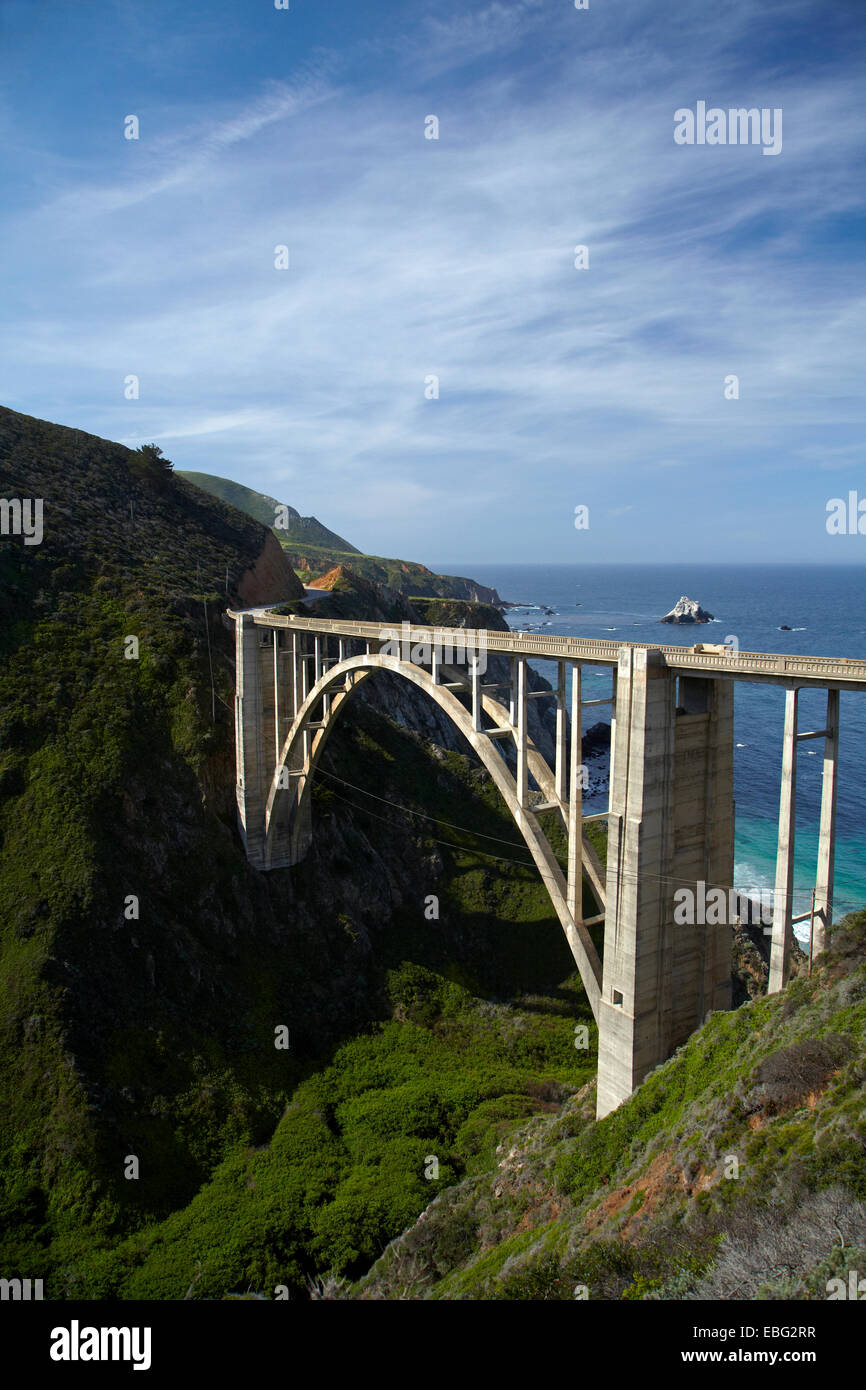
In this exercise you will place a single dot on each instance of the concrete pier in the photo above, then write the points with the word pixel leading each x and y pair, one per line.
pixel 827 828
pixel 783 895
pixel 671 824
pixel 268 670
pixel 783 898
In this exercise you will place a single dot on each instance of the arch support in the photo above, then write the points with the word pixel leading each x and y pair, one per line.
pixel 274 800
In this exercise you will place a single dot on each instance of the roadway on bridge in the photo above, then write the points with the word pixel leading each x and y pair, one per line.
pixel 826 673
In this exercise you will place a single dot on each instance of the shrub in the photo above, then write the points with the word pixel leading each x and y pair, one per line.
pixel 150 467
pixel 765 1250
pixel 787 1077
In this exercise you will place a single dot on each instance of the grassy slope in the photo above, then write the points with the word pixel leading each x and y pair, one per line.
pixel 300 530
pixel 458 1055
pixel 737 1170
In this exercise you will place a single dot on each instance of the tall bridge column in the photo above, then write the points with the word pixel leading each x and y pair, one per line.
pixel 671 826
pixel 574 880
pixel 827 831
pixel 783 897
pixel 268 684
pixel 254 733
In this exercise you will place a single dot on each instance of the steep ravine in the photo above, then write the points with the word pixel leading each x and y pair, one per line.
pixel 145 966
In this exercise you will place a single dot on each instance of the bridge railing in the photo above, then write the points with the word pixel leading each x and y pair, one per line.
pixel 755 665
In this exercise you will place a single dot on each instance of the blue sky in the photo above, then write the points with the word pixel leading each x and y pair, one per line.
pixel 410 257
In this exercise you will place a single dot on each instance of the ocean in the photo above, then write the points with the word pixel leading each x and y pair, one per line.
pixel 825 609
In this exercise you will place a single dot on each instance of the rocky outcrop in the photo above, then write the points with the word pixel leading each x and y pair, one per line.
pixel 687 610
pixel 333 577
pixel 457 612
pixel 470 590
pixel 596 740
pixel 270 578
pixel 407 577
pixel 342 593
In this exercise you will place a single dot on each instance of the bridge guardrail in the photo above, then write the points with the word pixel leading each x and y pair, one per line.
pixel 598 651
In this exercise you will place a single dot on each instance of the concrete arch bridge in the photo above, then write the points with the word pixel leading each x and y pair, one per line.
pixel 671 809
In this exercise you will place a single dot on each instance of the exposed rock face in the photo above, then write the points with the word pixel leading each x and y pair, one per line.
pixel 596 740
pixel 475 593
pixel 270 578
pixel 404 576
pixel 413 710
pixel 333 577
pixel 457 612
pixel 687 610
pixel 346 594
pixel 750 961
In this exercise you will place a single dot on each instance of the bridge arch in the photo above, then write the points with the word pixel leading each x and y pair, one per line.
pixel 305 742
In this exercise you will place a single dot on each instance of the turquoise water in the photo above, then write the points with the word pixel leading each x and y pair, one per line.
pixel 824 605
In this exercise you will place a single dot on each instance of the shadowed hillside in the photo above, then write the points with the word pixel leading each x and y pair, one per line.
pixel 144 966
pixel 111 515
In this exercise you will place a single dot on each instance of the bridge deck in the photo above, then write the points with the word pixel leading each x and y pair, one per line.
pixel 823 672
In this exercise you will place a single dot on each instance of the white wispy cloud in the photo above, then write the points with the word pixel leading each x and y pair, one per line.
pixel 454 258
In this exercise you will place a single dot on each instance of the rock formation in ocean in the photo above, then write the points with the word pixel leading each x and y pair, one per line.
pixel 687 610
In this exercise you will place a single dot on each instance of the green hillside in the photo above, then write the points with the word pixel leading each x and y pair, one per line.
pixel 736 1171
pixel 404 576
pixel 312 549
pixel 429 1132
pixel 300 530
pixel 116 698
pixel 144 964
